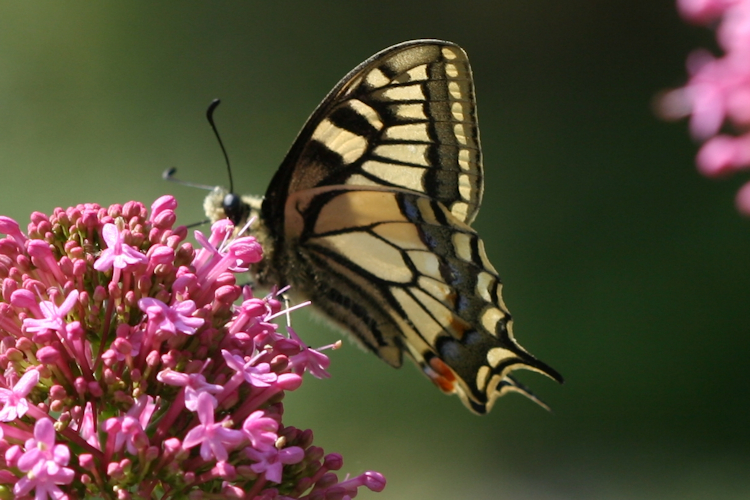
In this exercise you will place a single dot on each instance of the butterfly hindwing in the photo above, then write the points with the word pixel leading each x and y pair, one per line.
pixel 369 217
pixel 405 275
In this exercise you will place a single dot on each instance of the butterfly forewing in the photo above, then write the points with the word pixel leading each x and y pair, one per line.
pixel 369 217
pixel 404 119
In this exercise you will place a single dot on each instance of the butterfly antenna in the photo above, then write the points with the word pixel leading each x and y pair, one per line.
pixel 168 175
pixel 210 115
pixel 198 224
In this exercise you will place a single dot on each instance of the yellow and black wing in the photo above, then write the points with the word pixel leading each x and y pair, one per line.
pixel 369 216
pixel 405 119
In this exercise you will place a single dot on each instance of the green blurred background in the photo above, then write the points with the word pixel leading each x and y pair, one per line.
pixel 624 269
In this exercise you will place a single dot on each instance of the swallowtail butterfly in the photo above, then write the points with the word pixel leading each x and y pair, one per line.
pixel 369 217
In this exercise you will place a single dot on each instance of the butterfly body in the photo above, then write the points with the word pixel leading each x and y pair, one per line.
pixel 369 217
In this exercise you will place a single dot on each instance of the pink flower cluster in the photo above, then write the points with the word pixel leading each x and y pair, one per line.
pixel 130 372
pixel 717 96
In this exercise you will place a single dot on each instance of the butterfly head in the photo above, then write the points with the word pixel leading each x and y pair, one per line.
pixel 235 209
pixel 221 204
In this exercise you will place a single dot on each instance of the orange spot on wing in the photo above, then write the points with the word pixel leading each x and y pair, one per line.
pixel 441 375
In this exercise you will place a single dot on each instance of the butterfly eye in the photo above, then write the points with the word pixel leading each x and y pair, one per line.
pixel 235 210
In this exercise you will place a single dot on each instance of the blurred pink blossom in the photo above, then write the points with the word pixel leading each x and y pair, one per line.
pixel 717 94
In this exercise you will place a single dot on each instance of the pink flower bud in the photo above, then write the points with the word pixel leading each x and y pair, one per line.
pixel 165 219
pixel 172 445
pixel 333 461
pixel 80 385
pixel 12 455
pixel 227 294
pixel 24 298
pixel 375 481
pixel 161 254
pixel 48 355
pixel 86 460
pixel 289 381
pixel 9 226
pixel 166 202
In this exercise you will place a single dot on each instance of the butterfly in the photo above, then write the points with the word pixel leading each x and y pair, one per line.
pixel 369 216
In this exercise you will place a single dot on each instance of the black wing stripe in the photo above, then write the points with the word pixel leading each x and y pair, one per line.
pixel 353 120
